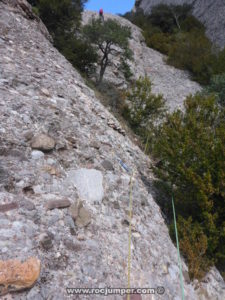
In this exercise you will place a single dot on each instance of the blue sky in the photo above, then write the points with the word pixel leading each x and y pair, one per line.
pixel 111 6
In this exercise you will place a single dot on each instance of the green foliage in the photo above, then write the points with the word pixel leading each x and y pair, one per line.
pixel 110 31
pixel 193 245
pixel 35 10
pixel 191 23
pixel 125 68
pixel 105 36
pixel 61 15
pixel 172 30
pixel 145 107
pixel 193 52
pixel 219 62
pixel 217 87
pixel 159 41
pixel 167 17
pixel 62 18
pixel 78 52
pixel 190 146
pixel 138 19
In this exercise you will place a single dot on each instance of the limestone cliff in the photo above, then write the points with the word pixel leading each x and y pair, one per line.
pixel 64 195
pixel 209 12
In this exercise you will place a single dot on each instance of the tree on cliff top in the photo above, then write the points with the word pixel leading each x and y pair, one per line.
pixel 107 36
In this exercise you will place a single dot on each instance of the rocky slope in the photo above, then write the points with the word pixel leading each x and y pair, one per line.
pixel 209 12
pixel 174 84
pixel 64 195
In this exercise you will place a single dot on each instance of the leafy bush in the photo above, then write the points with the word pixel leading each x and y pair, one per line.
pixel 167 17
pixel 125 68
pixel 217 87
pixel 190 147
pixel 191 23
pixel 159 41
pixel 193 51
pixel 193 245
pixel 79 53
pixel 62 18
pixel 144 107
pixel 61 14
pixel 219 62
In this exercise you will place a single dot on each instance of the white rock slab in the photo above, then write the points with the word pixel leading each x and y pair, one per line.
pixel 89 184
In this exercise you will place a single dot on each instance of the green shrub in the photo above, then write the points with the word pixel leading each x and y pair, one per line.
pixel 219 62
pixel 35 10
pixel 61 14
pixel 191 23
pixel 62 18
pixel 217 87
pixel 125 68
pixel 167 17
pixel 193 245
pixel 159 41
pixel 193 52
pixel 144 107
pixel 79 53
pixel 190 147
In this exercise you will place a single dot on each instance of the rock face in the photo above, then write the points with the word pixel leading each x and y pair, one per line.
pixel 174 84
pixel 16 276
pixel 209 12
pixel 93 250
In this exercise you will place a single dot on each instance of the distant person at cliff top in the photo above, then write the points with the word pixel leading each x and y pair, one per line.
pixel 101 16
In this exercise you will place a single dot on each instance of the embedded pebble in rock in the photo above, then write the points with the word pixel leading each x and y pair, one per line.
pixel 37 154
pixel 84 244
pixel 72 246
pixel 8 206
pixel 107 165
pixel 43 142
pixel 16 276
pixel 46 241
pixel 80 214
pixel 63 203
